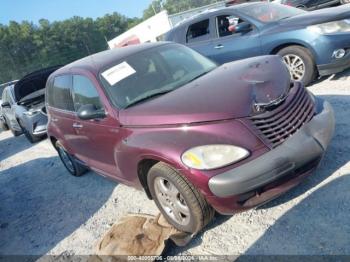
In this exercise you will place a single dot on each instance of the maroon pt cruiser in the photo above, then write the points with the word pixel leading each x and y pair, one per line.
pixel 196 137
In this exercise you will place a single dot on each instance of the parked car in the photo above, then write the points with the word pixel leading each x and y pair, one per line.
pixel 3 126
pixel 196 137
pixel 313 4
pixel 23 105
pixel 2 86
pixel 311 43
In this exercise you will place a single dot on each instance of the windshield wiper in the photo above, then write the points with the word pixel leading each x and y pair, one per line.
pixel 143 99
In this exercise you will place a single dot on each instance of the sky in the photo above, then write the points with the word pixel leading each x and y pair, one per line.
pixel 55 10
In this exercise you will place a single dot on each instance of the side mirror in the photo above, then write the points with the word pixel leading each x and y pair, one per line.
pixel 87 112
pixel 243 27
pixel 5 105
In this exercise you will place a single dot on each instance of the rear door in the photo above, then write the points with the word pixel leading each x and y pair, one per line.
pixel 229 45
pixel 98 137
pixel 199 35
pixel 61 112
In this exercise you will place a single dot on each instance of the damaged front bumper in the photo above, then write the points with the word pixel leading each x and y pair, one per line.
pixel 36 124
pixel 296 156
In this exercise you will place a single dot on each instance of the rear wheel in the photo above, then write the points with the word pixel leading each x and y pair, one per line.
pixel 3 125
pixel 73 167
pixel 300 63
pixel 179 201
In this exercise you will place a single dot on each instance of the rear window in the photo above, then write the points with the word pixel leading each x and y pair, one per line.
pixel 59 95
pixel 198 31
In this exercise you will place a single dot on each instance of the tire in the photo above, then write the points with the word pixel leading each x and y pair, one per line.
pixel 3 125
pixel 73 167
pixel 294 53
pixel 181 193
pixel 15 132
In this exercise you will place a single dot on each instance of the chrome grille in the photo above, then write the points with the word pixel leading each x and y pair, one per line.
pixel 277 125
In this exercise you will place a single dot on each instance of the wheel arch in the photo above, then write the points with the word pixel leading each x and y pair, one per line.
pixel 276 49
pixel 143 168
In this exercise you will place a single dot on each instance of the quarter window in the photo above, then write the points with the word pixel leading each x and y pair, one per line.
pixel 85 93
pixel 198 32
pixel 60 94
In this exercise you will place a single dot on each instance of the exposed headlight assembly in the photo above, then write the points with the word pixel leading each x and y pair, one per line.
pixel 213 156
pixel 331 27
pixel 31 112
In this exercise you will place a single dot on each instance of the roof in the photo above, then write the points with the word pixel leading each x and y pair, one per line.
pixel 98 61
pixel 205 14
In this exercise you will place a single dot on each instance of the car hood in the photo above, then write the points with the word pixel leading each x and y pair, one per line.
pixel 229 91
pixel 318 16
pixel 32 83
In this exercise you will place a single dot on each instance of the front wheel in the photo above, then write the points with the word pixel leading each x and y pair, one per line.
pixel 73 167
pixel 179 201
pixel 31 138
pixel 300 63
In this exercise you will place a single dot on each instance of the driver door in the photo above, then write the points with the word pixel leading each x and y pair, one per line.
pixel 98 137
pixel 230 45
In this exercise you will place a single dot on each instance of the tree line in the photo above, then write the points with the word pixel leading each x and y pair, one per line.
pixel 26 46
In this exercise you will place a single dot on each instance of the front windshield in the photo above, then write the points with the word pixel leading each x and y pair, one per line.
pixel 153 72
pixel 270 12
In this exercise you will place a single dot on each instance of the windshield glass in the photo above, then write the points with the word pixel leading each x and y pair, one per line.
pixel 270 12
pixel 153 72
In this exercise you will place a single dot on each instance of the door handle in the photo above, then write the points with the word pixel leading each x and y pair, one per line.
pixel 77 125
pixel 219 46
pixel 54 119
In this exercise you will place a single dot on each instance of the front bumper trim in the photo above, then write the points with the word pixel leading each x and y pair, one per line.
pixel 305 146
pixel 336 67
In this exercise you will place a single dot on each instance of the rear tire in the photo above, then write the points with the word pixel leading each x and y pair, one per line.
pixel 3 125
pixel 178 200
pixel 294 54
pixel 73 167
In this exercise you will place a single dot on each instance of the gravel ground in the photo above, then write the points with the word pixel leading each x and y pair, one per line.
pixel 43 210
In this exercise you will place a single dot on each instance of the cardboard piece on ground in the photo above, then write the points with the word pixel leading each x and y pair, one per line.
pixel 139 235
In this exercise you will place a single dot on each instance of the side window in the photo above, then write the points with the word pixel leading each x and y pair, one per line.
pixel 85 93
pixel 226 24
pixel 59 95
pixel 198 32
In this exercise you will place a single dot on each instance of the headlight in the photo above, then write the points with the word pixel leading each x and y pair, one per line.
pixel 31 112
pixel 331 27
pixel 213 156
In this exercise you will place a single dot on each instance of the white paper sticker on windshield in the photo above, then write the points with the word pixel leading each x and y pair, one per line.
pixel 118 73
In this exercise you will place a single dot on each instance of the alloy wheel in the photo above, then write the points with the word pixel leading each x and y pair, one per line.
pixel 295 65
pixel 172 201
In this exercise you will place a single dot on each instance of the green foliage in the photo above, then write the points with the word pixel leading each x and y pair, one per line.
pixel 25 47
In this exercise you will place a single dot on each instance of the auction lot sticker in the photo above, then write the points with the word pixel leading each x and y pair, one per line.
pixel 118 73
